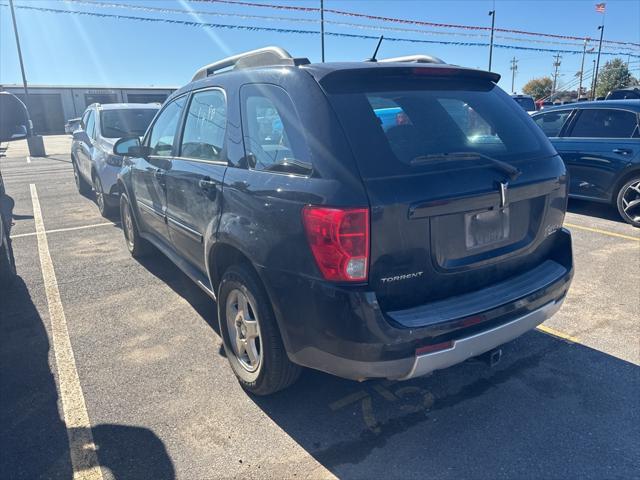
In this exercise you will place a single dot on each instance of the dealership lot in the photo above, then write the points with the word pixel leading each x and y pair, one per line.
pixel 162 401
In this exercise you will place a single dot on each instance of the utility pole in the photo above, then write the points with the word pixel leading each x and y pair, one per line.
pixel 592 93
pixel 584 52
pixel 492 14
pixel 513 68
pixel 556 65
pixel 322 28
pixel 595 75
pixel 34 142
pixel 24 77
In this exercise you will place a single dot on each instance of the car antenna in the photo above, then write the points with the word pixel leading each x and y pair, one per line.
pixel 373 59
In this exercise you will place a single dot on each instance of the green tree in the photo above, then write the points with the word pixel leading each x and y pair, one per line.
pixel 538 87
pixel 614 74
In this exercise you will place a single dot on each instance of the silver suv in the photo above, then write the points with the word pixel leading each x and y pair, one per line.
pixel 94 164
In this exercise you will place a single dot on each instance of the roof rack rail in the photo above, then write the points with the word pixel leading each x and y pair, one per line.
pixel 262 57
pixel 414 59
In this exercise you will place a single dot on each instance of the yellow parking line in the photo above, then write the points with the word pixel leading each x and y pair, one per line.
pixel 557 333
pixel 82 449
pixel 603 232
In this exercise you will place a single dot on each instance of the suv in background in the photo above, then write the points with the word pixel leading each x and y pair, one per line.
pixel 526 102
pixel 600 144
pixel 94 164
pixel 627 93
pixel 366 219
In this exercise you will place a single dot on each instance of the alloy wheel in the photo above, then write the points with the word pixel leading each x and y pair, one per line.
pixel 244 330
pixel 631 201
pixel 97 186
pixel 127 221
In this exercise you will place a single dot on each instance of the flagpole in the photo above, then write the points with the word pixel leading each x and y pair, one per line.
pixel 595 75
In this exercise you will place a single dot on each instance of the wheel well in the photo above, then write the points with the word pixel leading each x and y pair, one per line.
pixel 624 179
pixel 223 257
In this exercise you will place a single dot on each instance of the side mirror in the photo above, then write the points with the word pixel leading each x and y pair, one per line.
pixel 130 147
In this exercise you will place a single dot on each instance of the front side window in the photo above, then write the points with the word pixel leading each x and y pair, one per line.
pixel 551 123
pixel 603 123
pixel 204 129
pixel 121 123
pixel 273 136
pixel 164 129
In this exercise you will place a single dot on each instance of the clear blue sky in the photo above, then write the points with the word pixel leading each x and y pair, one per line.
pixel 83 50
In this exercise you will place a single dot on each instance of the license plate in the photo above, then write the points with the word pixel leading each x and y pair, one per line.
pixel 485 228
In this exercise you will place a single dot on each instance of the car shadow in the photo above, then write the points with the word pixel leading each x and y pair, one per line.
pixel 604 211
pixel 33 437
pixel 548 410
pixel 163 268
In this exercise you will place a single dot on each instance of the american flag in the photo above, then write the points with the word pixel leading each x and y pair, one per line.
pixel 600 7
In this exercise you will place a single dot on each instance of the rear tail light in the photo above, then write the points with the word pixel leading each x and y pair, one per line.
pixel 339 240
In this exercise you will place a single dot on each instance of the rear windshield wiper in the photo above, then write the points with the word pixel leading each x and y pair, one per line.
pixel 510 170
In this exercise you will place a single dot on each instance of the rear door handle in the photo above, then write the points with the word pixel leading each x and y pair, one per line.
pixel 622 151
pixel 206 183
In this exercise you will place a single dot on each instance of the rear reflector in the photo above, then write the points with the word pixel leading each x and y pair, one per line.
pixel 339 240
pixel 434 348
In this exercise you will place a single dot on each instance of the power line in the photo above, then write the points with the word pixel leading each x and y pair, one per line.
pixel 401 20
pixel 298 31
pixel 360 26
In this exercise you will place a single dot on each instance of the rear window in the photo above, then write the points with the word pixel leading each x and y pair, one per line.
pixel 130 121
pixel 393 126
pixel 526 103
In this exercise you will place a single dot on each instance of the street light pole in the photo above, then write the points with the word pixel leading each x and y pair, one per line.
pixel 595 75
pixel 322 28
pixel 592 93
pixel 492 14
pixel 24 77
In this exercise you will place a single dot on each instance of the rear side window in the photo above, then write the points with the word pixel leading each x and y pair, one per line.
pixel 526 103
pixel 603 123
pixel 409 125
pixel 551 123
pixel 90 124
pixel 203 136
pixel 164 129
pixel 273 136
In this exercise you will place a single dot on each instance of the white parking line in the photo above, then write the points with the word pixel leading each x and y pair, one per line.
pixel 68 229
pixel 28 159
pixel 82 449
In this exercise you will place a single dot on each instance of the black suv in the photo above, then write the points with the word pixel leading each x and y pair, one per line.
pixel 371 219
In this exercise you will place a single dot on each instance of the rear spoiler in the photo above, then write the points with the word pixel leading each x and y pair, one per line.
pixel 402 70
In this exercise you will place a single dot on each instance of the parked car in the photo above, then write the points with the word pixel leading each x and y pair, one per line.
pixel 624 93
pixel 94 164
pixel 72 125
pixel 333 242
pixel 7 262
pixel 600 144
pixel 526 102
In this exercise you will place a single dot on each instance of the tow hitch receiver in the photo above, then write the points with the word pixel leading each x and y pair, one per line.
pixel 492 357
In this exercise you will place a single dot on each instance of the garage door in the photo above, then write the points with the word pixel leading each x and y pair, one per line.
pixel 46 112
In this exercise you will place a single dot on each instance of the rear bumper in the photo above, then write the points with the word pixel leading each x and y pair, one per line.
pixel 343 331
pixel 474 345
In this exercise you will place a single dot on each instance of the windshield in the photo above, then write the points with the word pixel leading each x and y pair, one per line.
pixel 526 103
pixel 399 130
pixel 129 121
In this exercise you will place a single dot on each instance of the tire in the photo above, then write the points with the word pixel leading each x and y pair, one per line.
pixel 628 201
pixel 103 200
pixel 81 184
pixel 138 246
pixel 7 262
pixel 267 369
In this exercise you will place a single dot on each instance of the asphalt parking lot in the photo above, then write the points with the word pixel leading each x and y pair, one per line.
pixel 161 401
